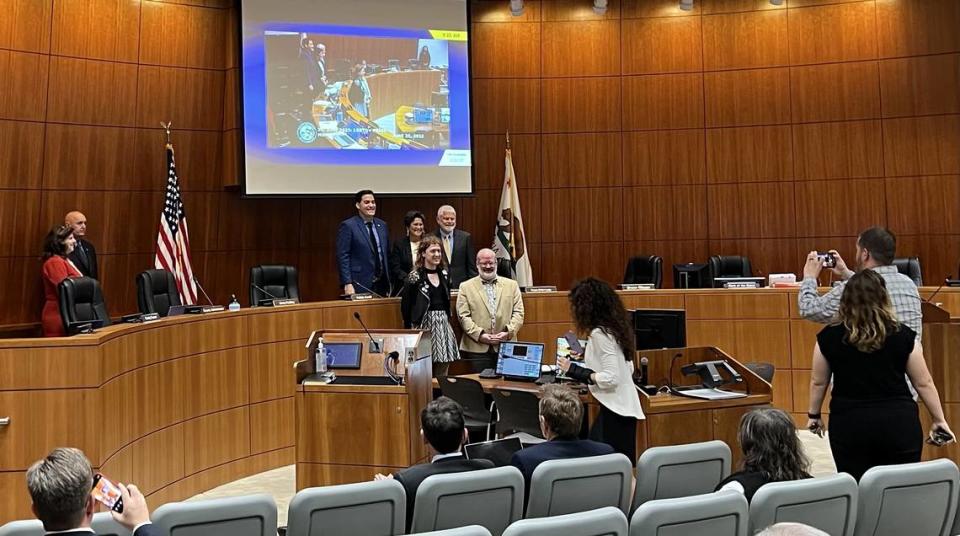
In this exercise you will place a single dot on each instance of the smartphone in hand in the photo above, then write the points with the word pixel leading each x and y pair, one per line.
pixel 107 493
pixel 574 343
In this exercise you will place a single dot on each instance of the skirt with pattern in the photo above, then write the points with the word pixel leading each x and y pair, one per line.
pixel 443 342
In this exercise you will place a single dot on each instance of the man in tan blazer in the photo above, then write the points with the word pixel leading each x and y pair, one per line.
pixel 490 310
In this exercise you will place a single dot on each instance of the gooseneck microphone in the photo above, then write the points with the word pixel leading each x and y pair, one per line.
pixel 935 292
pixel 365 289
pixel 373 342
pixel 644 362
pixel 199 286
pixel 263 290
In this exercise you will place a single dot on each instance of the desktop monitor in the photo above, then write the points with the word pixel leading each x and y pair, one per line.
pixel 691 275
pixel 343 355
pixel 520 360
pixel 660 328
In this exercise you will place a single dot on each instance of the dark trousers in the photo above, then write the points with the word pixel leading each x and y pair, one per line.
pixel 480 360
pixel 867 434
pixel 617 431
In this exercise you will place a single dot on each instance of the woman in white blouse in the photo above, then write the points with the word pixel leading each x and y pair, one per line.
pixel 608 363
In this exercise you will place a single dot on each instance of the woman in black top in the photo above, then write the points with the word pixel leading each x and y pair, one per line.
pixel 425 303
pixel 404 250
pixel 771 452
pixel 873 418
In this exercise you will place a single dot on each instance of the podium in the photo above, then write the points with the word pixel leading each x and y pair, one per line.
pixel 673 420
pixel 363 423
pixel 941 341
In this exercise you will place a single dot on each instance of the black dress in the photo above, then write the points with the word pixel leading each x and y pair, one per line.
pixel 873 418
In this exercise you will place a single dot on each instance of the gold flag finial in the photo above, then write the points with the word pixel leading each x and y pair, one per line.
pixel 166 128
pixel 508 139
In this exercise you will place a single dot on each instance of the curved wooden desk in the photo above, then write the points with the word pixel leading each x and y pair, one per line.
pixel 188 403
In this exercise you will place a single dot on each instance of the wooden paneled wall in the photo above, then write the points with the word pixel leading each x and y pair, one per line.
pixel 735 128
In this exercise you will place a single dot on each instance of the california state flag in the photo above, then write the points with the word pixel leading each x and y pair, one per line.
pixel 510 240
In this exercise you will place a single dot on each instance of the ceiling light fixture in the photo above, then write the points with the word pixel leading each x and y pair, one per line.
pixel 686 5
pixel 516 7
pixel 600 6
pixel 776 2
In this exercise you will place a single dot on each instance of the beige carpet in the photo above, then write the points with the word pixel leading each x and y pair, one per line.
pixel 282 482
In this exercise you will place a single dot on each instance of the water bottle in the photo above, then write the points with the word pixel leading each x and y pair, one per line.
pixel 234 304
pixel 321 357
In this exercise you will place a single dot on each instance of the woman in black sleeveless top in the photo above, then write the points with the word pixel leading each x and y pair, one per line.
pixel 873 419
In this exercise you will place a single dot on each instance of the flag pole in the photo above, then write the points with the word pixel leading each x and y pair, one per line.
pixel 508 140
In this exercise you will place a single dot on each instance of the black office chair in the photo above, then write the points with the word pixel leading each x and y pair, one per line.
pixel 910 267
pixel 728 266
pixel 646 269
pixel 504 268
pixel 518 414
pixel 157 291
pixel 81 302
pixel 278 280
pixel 764 370
pixel 469 394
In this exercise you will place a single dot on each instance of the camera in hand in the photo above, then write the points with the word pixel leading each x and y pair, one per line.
pixel 829 260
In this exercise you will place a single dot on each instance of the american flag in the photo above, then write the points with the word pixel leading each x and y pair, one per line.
pixel 173 240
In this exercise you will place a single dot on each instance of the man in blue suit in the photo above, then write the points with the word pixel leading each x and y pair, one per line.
pixel 561 415
pixel 362 247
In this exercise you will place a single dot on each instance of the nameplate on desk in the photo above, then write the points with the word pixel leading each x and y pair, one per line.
pixel 637 286
pixel 539 288
pixel 150 317
pixel 359 296
pixel 740 282
pixel 203 309
pixel 278 302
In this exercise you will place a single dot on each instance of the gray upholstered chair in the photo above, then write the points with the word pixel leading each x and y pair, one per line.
pixel 27 527
pixel 491 498
pixel 469 530
pixel 723 513
pixel 680 470
pixel 375 508
pixel 919 499
pixel 576 485
pixel 103 524
pixel 828 503
pixel 607 521
pixel 250 515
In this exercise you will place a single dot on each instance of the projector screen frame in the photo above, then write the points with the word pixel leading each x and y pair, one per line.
pixel 241 171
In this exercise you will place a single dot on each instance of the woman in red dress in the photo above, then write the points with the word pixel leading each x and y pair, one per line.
pixel 56 267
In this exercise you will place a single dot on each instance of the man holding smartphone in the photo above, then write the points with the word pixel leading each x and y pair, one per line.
pixel 61 487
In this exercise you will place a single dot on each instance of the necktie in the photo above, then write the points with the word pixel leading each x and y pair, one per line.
pixel 376 250
pixel 82 254
pixel 447 246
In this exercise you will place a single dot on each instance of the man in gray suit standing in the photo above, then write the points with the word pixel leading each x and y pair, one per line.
pixel 457 247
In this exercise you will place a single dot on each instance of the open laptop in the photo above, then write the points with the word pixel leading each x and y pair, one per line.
pixel 520 361
pixel 498 451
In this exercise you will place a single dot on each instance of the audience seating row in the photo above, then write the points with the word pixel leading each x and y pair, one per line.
pixel 586 496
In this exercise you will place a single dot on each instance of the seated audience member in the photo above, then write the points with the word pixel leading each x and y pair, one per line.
pixel 442 428
pixel 771 452
pixel 60 486
pixel 561 416
pixel 791 529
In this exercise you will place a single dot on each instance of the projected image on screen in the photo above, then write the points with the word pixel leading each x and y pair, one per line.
pixel 343 91
pixel 340 96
